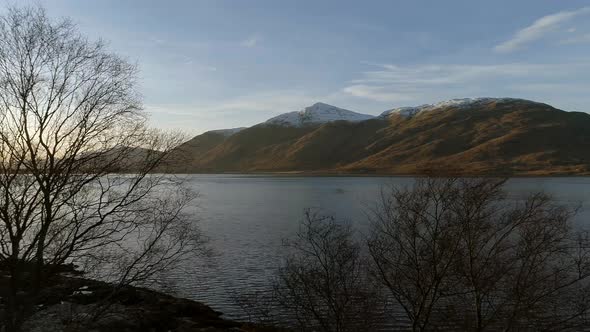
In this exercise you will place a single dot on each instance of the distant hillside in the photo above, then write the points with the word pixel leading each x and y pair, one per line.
pixel 474 136
pixel 123 159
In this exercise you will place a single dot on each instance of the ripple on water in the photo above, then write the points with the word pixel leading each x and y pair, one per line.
pixel 247 216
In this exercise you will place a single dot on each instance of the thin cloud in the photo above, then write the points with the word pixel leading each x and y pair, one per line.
pixel 434 82
pixel 378 93
pixel 157 41
pixel 539 29
pixel 581 39
pixel 565 88
pixel 264 104
pixel 251 41
pixel 239 111
pixel 441 74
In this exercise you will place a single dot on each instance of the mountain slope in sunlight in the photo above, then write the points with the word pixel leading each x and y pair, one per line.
pixel 474 136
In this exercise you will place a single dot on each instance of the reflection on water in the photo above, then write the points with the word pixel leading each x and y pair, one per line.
pixel 247 216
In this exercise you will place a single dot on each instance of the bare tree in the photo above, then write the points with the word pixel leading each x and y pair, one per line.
pixel 323 283
pixel 518 261
pixel 457 253
pixel 414 244
pixel 70 117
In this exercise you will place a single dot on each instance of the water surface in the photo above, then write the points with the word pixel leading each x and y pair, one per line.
pixel 247 216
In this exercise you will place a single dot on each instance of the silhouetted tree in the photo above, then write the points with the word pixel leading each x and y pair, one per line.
pixel 457 253
pixel 519 262
pixel 414 244
pixel 323 283
pixel 70 117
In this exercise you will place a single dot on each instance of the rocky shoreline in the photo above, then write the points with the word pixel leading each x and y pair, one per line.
pixel 73 303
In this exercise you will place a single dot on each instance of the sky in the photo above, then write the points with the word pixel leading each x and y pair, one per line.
pixel 213 64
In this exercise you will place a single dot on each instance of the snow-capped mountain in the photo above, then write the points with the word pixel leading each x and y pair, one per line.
pixel 482 136
pixel 316 114
pixel 463 102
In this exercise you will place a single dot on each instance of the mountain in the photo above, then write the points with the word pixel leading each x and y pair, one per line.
pixel 122 159
pixel 456 103
pixel 227 132
pixel 186 157
pixel 317 113
pixel 474 136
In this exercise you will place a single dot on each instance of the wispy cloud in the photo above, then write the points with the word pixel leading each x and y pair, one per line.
pixel 379 93
pixel 565 88
pixel 433 82
pixel 539 29
pixel 580 39
pixel 251 41
pixel 157 41
pixel 265 103
pixel 237 111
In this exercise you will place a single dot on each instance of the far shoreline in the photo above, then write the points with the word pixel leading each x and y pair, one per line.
pixel 314 174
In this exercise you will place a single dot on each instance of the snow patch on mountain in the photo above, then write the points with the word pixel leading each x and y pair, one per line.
pixel 227 132
pixel 317 113
pixel 408 112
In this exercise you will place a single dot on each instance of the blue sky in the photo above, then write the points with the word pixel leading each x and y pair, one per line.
pixel 214 64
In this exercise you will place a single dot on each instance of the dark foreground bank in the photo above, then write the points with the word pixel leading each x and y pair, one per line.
pixel 73 303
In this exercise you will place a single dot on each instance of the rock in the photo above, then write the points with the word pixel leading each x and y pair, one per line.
pixel 71 303
pixel 119 321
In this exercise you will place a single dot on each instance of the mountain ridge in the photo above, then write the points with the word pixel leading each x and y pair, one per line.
pixel 317 113
pixel 479 136
pixel 410 111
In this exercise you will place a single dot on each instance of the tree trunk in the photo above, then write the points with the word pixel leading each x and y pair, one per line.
pixel 39 263
pixel 12 321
